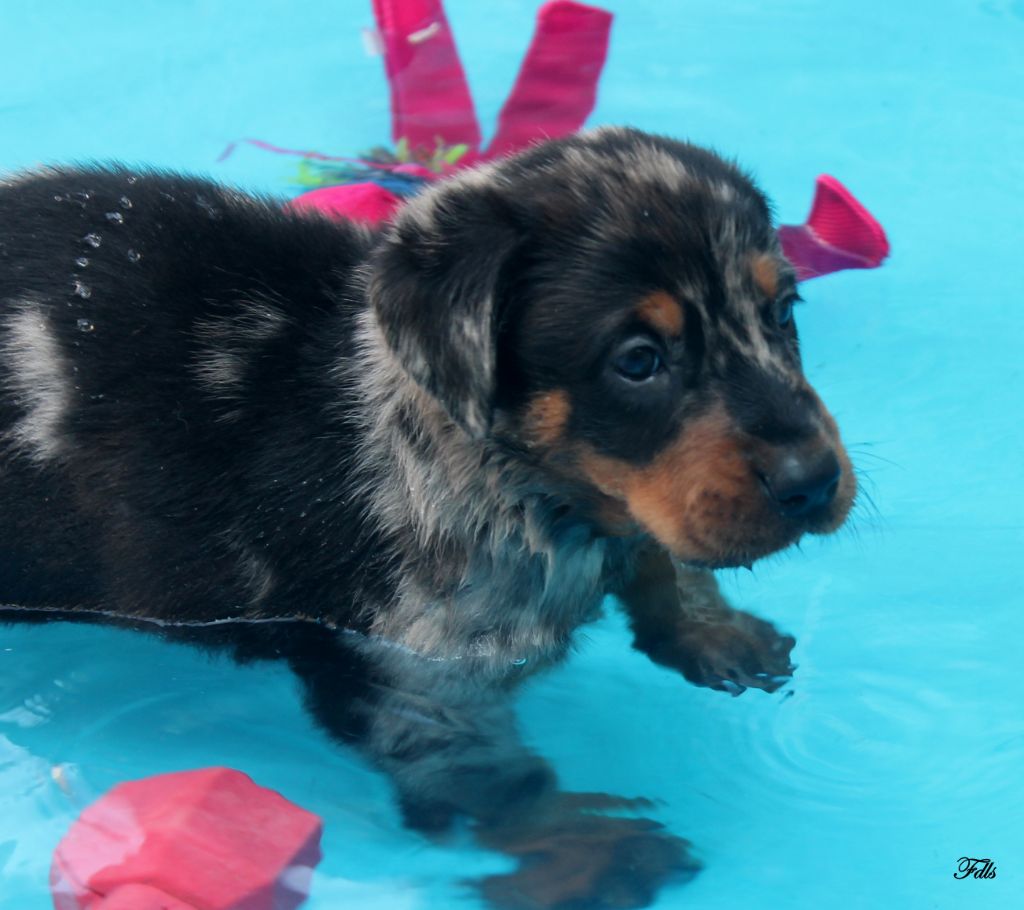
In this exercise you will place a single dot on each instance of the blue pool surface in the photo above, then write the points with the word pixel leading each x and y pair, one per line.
pixel 901 747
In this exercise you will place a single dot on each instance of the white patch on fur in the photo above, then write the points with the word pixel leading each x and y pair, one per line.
pixel 253 570
pixel 723 192
pixel 641 164
pixel 659 169
pixel 257 576
pixel 228 346
pixel 221 372
pixel 35 375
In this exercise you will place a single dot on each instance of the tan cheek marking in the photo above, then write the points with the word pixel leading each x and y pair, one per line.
pixel 766 274
pixel 546 417
pixel 700 473
pixel 661 311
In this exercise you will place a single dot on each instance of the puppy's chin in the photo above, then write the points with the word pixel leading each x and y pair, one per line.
pixel 725 547
pixel 709 545
pixel 736 557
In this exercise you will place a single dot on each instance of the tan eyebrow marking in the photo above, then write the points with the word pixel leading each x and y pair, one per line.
pixel 547 415
pixel 766 274
pixel 663 312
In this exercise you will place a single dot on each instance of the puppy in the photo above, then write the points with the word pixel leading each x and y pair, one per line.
pixel 412 462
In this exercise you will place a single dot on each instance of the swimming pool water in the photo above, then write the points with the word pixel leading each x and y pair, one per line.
pixel 901 745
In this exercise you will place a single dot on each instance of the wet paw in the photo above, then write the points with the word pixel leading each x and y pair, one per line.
pixel 573 859
pixel 736 653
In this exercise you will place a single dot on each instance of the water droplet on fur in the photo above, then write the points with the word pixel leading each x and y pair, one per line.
pixel 134 255
pixel 126 203
pixel 82 262
pixel 115 217
pixel 132 179
pixel 85 326
pixel 58 198
pixel 83 290
pixel 94 240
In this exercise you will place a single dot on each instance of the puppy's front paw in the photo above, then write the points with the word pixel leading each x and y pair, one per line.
pixel 731 653
pixel 573 859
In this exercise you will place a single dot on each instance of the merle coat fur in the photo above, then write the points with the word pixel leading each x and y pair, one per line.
pixel 413 461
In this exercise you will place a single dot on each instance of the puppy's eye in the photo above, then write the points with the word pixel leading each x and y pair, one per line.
pixel 638 362
pixel 782 310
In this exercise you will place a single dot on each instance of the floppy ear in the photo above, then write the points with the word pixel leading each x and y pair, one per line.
pixel 435 287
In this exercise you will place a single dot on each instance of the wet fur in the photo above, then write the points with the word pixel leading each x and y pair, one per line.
pixel 376 455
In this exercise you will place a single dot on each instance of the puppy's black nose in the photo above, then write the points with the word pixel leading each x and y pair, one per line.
pixel 801 484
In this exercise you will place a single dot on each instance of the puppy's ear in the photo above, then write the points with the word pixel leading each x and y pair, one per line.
pixel 435 288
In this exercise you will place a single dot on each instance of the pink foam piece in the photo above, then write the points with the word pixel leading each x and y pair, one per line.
pixel 839 234
pixel 210 839
pixel 141 897
pixel 556 88
pixel 430 98
pixel 364 202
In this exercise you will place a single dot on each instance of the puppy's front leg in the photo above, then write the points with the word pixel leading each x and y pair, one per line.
pixel 462 756
pixel 453 749
pixel 448 740
pixel 680 620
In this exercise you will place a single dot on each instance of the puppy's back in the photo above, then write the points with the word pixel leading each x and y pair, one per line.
pixel 166 358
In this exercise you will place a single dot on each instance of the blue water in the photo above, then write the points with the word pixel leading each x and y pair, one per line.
pixel 902 746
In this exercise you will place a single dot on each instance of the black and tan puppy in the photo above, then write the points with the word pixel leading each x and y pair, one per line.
pixel 412 462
